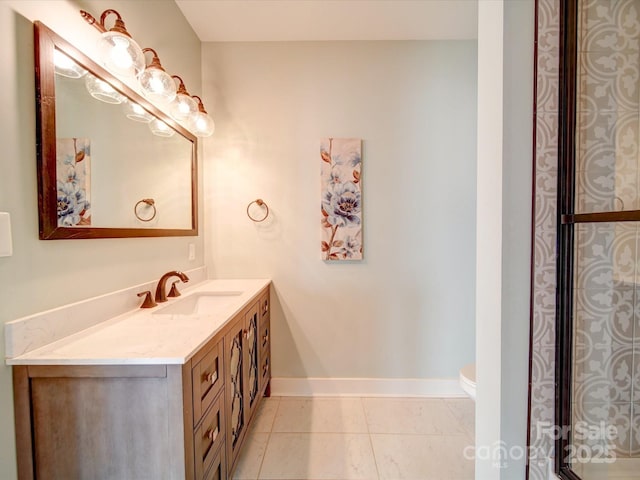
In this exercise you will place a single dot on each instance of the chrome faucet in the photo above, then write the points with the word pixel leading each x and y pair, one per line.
pixel 161 290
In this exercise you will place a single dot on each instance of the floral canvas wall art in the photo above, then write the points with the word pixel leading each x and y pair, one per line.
pixel 341 164
pixel 73 174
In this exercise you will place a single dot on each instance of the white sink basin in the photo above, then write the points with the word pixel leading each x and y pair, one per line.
pixel 198 303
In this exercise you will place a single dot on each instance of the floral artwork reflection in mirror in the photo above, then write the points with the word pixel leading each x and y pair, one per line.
pixel 73 171
pixel 341 163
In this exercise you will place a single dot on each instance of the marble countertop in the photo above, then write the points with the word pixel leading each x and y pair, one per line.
pixel 140 337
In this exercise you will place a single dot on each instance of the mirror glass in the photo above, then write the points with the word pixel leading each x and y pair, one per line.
pixel 110 163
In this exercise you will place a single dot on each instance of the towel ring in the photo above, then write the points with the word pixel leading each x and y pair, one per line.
pixel 260 203
pixel 149 202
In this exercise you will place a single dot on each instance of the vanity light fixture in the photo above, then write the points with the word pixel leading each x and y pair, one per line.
pixel 66 67
pixel 183 107
pixel 161 129
pixel 201 123
pixel 135 112
pixel 156 84
pixel 122 55
pixel 101 90
pixel 119 52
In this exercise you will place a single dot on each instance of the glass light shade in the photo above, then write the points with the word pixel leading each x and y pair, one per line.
pixel 102 91
pixel 121 54
pixel 161 129
pixel 66 67
pixel 183 107
pixel 201 124
pixel 135 112
pixel 157 85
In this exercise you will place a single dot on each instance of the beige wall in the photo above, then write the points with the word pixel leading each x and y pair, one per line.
pixel 46 274
pixel 407 310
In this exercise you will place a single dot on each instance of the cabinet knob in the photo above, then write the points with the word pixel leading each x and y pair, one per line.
pixel 212 434
pixel 212 377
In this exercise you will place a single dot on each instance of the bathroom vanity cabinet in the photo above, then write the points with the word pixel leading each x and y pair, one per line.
pixel 147 421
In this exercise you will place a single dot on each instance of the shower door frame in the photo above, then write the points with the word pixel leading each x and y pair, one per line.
pixel 566 221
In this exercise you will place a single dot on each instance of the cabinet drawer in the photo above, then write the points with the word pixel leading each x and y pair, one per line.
pixel 265 370
pixel 217 470
pixel 209 437
pixel 264 305
pixel 264 336
pixel 264 324
pixel 207 378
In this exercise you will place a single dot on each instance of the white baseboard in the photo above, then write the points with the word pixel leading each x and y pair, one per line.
pixel 366 387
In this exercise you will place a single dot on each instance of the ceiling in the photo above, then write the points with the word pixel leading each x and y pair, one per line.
pixel 325 20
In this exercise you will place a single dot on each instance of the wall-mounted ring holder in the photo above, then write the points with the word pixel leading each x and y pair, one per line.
pixel 260 203
pixel 150 205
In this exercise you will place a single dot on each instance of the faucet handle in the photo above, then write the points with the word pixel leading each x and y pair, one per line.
pixel 174 290
pixel 148 300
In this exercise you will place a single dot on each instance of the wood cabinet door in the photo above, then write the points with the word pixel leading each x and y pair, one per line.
pixel 234 343
pixel 250 360
pixel 104 422
pixel 264 343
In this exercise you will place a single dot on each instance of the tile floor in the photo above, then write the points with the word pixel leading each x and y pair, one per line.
pixel 359 438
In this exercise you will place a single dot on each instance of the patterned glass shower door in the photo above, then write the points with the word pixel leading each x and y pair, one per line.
pixel 600 231
pixel 606 362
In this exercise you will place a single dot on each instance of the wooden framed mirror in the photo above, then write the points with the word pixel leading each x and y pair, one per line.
pixel 110 164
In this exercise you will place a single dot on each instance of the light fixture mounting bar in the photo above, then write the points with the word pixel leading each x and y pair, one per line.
pixel 91 20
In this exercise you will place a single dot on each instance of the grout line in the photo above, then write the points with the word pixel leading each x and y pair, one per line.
pixel 366 422
pixel 266 447
pixel 457 415
pixel 275 414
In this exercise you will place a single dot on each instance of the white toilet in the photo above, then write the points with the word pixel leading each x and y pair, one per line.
pixel 468 379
